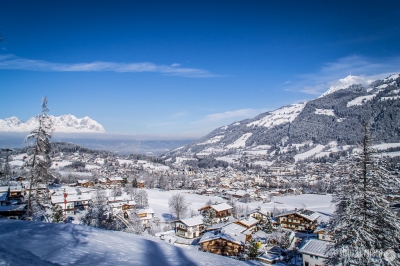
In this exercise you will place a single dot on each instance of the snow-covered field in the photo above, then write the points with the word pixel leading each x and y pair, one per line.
pixel 360 100
pixel 324 112
pixel 385 146
pixel 35 243
pixel 228 158
pixel 92 166
pixel 307 154
pixel 16 163
pixel 19 157
pixel 240 142
pixel 280 116
pixel 212 140
pixel 56 165
pixel 158 201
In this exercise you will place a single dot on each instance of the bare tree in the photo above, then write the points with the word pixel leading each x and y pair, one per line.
pixel 141 199
pixel 40 159
pixel 178 205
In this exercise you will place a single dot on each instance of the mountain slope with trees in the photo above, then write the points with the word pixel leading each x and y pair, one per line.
pixel 337 116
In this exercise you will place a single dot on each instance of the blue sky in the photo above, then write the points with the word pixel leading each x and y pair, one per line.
pixel 182 68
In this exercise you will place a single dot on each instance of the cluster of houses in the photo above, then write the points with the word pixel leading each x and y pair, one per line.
pixel 228 236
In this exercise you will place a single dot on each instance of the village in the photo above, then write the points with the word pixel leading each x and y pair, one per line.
pixel 272 215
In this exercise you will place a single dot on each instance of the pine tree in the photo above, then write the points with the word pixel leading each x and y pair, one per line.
pixel 266 225
pixel 57 214
pixel 252 247
pixel 363 225
pixel 134 183
pixel 210 217
pixel 40 161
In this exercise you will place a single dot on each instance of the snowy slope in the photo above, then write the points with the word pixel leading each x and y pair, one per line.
pixel 240 142
pixel 33 243
pixel 324 112
pixel 335 116
pixel 64 123
pixel 360 100
pixel 280 116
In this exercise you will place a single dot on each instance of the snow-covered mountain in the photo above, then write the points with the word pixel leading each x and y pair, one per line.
pixel 64 123
pixel 327 124
pixel 344 83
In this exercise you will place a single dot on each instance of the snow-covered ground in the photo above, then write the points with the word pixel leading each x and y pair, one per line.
pixel 35 243
pixel 324 112
pixel 158 201
pixel 240 142
pixel 307 154
pixel 56 165
pixel 392 154
pixel 360 100
pixel 390 98
pixel 182 159
pixel 385 146
pixel 92 166
pixel 19 157
pixel 212 140
pixel 280 116
pixel 228 158
pixel 16 163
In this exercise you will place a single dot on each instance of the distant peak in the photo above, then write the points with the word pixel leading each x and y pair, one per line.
pixel 346 82
pixel 64 123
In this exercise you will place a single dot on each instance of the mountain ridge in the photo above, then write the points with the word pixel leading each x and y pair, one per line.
pixel 63 124
pixel 334 117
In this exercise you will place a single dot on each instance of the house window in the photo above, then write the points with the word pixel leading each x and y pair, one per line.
pixel 311 256
pixel 316 257
pixel 306 263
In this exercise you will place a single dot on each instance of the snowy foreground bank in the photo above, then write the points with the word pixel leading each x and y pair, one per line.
pixel 34 243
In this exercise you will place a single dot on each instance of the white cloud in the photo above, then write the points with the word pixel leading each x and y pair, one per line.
pixel 367 68
pixel 12 62
pixel 236 114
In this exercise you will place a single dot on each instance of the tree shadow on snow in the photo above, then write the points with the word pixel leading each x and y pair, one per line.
pixel 168 217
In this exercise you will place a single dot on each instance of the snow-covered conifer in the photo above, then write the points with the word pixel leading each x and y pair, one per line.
pixel 364 227
pixel 210 217
pixel 40 161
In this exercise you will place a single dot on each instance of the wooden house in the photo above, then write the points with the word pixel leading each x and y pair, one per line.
pixel 117 180
pixel 190 227
pixel 315 251
pixel 228 241
pixel 145 215
pixel 322 233
pixel 85 183
pixel 141 184
pixel 298 220
pixel 222 210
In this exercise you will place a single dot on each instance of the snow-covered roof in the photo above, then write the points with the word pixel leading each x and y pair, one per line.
pixel 234 237
pixel 221 207
pixel 316 247
pixel 116 178
pixel 249 222
pixel 197 220
pixel 145 210
pixel 70 198
pixel 310 215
